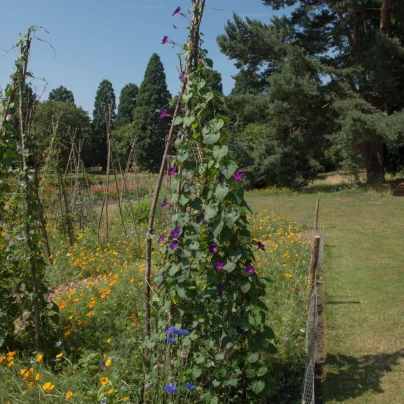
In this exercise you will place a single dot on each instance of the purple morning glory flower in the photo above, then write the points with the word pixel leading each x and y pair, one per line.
pixel 200 218
pixel 162 239
pixel 177 10
pixel 238 176
pixel 152 231
pixel 182 76
pixel 261 246
pixel 165 40
pixel 240 329
pixel 175 233
pixel 249 269
pixel 174 245
pixel 163 113
pixel 189 386
pixel 164 273
pixel 165 203
pixel 172 171
pixel 102 365
pixel 219 289
pixel 170 388
pixel 218 265
pixel 213 248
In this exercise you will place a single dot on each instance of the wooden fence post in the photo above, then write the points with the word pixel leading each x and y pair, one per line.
pixel 316 215
pixel 314 260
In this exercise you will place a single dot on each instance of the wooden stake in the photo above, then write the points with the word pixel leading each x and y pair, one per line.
pixel 314 260
pixel 316 215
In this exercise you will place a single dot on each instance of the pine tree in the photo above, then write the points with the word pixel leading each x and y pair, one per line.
pixel 104 98
pixel 61 94
pixel 150 129
pixel 127 104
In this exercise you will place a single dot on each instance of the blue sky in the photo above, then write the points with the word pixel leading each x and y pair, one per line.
pixel 111 39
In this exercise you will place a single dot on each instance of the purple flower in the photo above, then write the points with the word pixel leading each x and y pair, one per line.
pixel 152 231
pixel 261 246
pixel 189 386
pixel 218 265
pixel 177 10
pixel 102 365
pixel 219 289
pixel 182 76
pixel 174 245
pixel 165 203
pixel 175 233
pixel 172 171
pixel 162 239
pixel 171 340
pixel 163 113
pixel 170 388
pixel 249 270
pixel 200 218
pixel 165 40
pixel 240 329
pixel 213 248
pixel 238 176
pixel 164 273
pixel 8 117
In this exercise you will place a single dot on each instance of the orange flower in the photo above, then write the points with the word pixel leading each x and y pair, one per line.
pixel 2 359
pixel 38 377
pixel 69 394
pixel 110 391
pixel 66 334
pixel 125 399
pixel 58 356
pixel 104 380
pixel 31 370
pixel 11 354
pixel 48 386
pixel 31 385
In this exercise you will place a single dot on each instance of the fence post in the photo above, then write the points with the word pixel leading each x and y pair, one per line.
pixel 316 215
pixel 314 260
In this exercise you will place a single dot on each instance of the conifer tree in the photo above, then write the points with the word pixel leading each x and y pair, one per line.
pixel 61 94
pixel 150 125
pixel 127 104
pixel 104 98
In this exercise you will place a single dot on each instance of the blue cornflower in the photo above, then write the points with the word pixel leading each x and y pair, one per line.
pixel 124 388
pixel 171 340
pixel 170 388
pixel 189 386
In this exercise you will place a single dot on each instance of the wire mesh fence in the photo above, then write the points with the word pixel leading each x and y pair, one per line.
pixel 312 334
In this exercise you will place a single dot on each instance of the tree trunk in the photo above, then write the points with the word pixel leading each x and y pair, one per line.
pixel 385 17
pixel 375 162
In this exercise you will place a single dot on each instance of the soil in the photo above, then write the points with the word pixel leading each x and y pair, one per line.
pixel 399 190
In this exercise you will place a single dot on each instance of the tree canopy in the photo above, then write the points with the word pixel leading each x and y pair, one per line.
pixel 61 94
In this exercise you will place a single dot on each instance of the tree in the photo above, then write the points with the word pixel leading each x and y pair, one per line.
pixel 71 119
pixel 150 128
pixel 127 104
pixel 213 80
pixel 361 43
pixel 61 94
pixel 105 97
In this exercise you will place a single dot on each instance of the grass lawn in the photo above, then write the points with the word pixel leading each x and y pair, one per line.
pixel 364 287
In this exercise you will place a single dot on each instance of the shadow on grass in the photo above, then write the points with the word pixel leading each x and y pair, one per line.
pixel 350 377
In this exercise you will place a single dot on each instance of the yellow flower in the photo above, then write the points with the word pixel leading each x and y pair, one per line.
pixel 48 386
pixel 2 359
pixel 69 394
pixel 125 399
pixel 38 377
pixel 58 356
pixel 66 334
pixel 31 371
pixel 39 358
pixel 108 362
pixel 110 391
pixel 104 380
pixel 11 363
pixel 31 385
pixel 22 371
pixel 11 354
pixel 109 340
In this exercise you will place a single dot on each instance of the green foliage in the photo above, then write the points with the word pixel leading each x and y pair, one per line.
pixel 72 121
pixel 97 149
pixel 149 128
pixel 127 104
pixel 61 94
